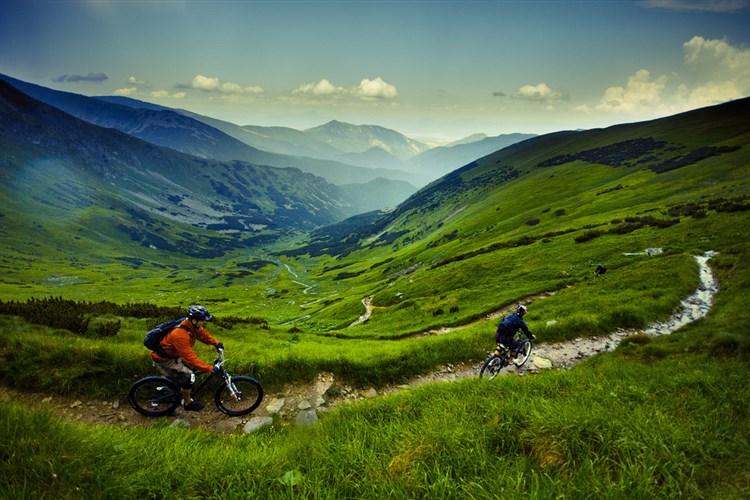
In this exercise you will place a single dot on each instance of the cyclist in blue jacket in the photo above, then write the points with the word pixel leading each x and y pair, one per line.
pixel 508 327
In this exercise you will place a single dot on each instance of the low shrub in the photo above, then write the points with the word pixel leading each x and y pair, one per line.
pixel 638 339
pixel 107 329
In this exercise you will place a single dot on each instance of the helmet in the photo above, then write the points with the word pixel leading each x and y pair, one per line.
pixel 521 310
pixel 199 313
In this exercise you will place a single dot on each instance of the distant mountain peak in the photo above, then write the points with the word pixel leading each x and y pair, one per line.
pixel 351 138
pixel 468 139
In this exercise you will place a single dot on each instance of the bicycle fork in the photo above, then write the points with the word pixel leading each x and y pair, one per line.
pixel 232 389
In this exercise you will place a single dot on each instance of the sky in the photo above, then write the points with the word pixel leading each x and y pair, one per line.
pixel 433 70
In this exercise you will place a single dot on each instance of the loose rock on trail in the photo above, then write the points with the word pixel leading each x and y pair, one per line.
pixel 302 403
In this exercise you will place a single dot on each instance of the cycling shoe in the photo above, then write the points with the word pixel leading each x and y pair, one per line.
pixel 195 406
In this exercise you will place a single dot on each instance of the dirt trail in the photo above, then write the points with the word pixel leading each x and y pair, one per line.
pixel 302 403
pixel 569 353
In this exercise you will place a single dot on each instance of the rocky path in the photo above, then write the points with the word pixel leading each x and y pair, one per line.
pixel 302 403
pixel 569 353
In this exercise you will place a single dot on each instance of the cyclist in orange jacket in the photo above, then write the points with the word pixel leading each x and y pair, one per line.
pixel 182 360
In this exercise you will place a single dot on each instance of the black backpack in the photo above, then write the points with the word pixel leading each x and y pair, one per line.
pixel 154 336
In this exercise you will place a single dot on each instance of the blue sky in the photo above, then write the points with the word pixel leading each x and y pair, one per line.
pixel 429 69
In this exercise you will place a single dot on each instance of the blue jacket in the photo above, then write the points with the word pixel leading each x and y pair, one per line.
pixel 511 324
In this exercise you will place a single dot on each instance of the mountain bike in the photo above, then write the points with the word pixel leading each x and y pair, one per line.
pixel 501 358
pixel 158 396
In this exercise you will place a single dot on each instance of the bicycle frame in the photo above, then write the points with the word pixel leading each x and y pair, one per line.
pixel 503 350
pixel 235 396
pixel 205 380
pixel 500 358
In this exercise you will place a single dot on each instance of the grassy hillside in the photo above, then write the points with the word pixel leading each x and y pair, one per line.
pixel 659 417
pixel 664 418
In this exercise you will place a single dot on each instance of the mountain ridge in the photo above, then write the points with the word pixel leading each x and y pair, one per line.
pixel 60 164
pixel 185 132
pixel 660 146
pixel 342 153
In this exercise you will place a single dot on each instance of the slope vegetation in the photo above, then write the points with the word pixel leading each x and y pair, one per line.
pixel 659 417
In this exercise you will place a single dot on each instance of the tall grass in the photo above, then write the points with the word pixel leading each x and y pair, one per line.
pixel 673 428
pixel 659 417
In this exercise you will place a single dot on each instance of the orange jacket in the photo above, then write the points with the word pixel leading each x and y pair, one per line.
pixel 179 344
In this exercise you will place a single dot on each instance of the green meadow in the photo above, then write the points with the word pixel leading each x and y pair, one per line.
pixel 660 417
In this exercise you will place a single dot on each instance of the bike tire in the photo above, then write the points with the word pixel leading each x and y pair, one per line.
pixel 154 396
pixel 523 353
pixel 491 367
pixel 251 395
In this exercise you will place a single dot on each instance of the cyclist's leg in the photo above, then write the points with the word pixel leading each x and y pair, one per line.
pixel 183 376
pixel 513 345
pixel 504 343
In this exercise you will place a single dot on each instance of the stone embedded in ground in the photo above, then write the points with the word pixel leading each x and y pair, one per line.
pixel 369 393
pixel 256 423
pixel 275 405
pixel 228 425
pixel 324 382
pixel 541 363
pixel 306 417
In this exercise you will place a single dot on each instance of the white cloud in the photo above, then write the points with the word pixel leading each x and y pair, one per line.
pixel 539 93
pixel 366 90
pixel 375 89
pixel 126 92
pixel 320 89
pixel 213 84
pixel 640 93
pixel 135 81
pixel 163 94
pixel 721 70
pixel 715 71
pixel 208 84
pixel 718 58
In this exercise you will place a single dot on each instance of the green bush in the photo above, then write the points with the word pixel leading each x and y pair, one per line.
pixel 108 329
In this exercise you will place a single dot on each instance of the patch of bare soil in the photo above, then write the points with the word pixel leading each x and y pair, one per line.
pixel 302 403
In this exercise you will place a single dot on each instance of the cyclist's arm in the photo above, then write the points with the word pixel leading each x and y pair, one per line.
pixel 182 345
pixel 521 325
pixel 206 337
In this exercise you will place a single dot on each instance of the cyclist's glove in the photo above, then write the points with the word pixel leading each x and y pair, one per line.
pixel 216 369
pixel 531 336
pixel 220 346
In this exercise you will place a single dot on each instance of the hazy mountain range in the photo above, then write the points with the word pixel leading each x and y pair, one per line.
pixel 341 153
pixel 58 167
pixel 104 181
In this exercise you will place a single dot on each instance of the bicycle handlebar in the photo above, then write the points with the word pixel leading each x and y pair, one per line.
pixel 220 360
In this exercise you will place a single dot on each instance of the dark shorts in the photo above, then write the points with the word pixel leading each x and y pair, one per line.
pixel 509 342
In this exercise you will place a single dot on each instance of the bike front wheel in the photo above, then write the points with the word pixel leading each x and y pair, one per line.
pixel 522 355
pixel 154 396
pixel 491 367
pixel 244 395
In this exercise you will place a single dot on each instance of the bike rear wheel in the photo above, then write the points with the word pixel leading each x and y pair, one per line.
pixel 522 355
pixel 154 396
pixel 491 367
pixel 248 394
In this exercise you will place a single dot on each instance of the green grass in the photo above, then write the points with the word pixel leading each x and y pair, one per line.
pixel 658 418
pixel 618 427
